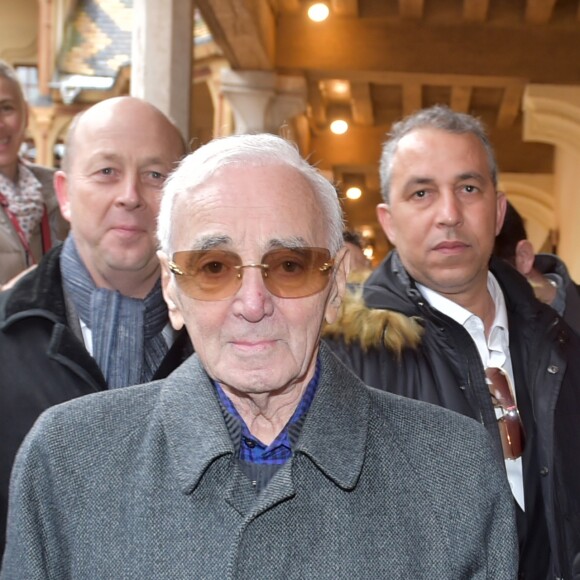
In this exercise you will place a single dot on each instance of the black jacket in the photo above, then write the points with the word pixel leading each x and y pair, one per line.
pixel 43 362
pixel 548 264
pixel 393 340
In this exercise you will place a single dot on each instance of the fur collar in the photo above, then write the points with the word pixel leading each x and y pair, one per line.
pixel 372 327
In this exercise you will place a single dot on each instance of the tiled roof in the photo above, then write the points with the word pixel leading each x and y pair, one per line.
pixel 97 38
pixel 97 44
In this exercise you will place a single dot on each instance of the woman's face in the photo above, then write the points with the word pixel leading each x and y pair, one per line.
pixel 13 118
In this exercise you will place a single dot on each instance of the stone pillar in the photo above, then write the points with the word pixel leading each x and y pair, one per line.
pixel 263 101
pixel 223 115
pixel 552 115
pixel 161 57
pixel 41 123
pixel 46 125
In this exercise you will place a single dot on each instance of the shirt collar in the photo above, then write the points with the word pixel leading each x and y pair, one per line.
pixel 498 340
pixel 444 305
pixel 291 431
pixel 501 320
pixel 460 314
pixel 334 434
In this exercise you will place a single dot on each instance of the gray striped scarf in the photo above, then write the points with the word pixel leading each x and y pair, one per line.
pixel 128 344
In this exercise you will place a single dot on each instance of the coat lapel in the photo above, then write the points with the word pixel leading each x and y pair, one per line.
pixel 333 436
pixel 335 431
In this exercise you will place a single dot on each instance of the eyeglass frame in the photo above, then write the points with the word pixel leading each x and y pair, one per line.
pixel 326 267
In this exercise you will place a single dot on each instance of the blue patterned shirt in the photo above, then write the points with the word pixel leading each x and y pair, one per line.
pixel 253 456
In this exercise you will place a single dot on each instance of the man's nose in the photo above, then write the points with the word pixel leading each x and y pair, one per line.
pixel 130 195
pixel 449 209
pixel 253 301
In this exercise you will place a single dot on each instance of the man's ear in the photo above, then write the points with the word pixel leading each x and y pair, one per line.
pixel 339 276
pixel 168 288
pixel 386 221
pixel 61 189
pixel 525 257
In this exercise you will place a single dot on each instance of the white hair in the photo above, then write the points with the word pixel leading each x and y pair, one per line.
pixel 253 150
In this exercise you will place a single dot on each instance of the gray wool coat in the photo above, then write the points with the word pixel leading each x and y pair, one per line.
pixel 139 483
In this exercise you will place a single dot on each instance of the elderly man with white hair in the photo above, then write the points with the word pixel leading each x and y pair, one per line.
pixel 261 456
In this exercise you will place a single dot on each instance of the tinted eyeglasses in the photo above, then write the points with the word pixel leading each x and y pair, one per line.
pixel 510 424
pixel 217 274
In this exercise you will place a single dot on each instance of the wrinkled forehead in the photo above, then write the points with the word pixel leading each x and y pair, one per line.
pixel 239 207
pixel 430 154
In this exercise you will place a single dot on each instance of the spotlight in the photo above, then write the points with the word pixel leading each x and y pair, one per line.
pixel 353 192
pixel 339 126
pixel 318 11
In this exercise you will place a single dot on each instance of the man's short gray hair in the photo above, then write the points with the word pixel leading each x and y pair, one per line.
pixel 436 117
pixel 247 150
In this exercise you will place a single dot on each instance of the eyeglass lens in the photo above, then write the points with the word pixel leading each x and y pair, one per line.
pixel 510 423
pixel 217 274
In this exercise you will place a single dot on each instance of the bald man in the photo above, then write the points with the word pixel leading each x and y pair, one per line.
pixel 92 316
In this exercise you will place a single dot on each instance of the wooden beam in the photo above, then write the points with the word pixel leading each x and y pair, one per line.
pixel 411 8
pixel 289 6
pixel 318 109
pixel 541 54
pixel 46 46
pixel 539 11
pixel 362 104
pixel 509 107
pixel 412 98
pixel 475 10
pixel 344 7
pixel 460 98
pixel 399 78
pixel 243 29
pixel 364 147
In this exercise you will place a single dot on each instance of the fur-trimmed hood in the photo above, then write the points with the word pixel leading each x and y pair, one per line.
pixel 373 327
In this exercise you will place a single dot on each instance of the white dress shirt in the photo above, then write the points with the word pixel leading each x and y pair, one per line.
pixel 493 350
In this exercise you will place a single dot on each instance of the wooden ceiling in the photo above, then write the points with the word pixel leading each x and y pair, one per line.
pixel 375 61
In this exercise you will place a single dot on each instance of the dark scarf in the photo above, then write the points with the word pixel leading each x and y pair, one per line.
pixel 128 344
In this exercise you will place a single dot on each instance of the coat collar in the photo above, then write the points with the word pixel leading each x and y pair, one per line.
pixel 39 292
pixel 391 287
pixel 389 310
pixel 333 435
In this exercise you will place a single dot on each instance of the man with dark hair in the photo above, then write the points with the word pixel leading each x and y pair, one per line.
pixel 441 323
pixel 546 273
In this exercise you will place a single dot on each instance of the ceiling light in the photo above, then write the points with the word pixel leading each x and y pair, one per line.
pixel 339 126
pixel 369 251
pixel 353 192
pixel 318 11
